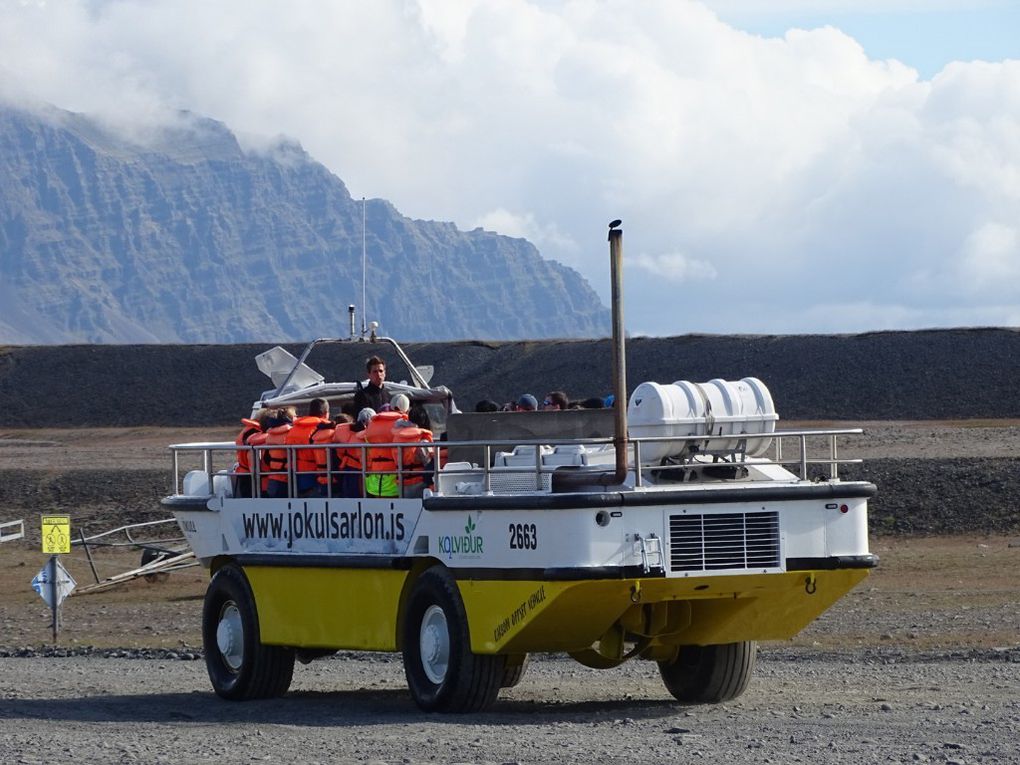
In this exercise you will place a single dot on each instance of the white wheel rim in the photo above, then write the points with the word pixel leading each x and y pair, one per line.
pixel 434 644
pixel 230 636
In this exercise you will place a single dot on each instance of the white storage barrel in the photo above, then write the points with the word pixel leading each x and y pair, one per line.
pixel 714 408
pixel 196 484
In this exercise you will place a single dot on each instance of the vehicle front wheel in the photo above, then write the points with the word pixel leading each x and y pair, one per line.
pixel 711 673
pixel 240 666
pixel 442 672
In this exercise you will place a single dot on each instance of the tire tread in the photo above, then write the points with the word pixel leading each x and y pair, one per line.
pixel 717 673
pixel 268 670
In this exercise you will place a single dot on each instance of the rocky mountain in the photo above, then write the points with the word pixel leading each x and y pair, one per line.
pixel 182 236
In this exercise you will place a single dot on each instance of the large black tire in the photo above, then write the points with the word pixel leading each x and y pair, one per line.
pixel 709 674
pixel 240 666
pixel 442 672
pixel 514 670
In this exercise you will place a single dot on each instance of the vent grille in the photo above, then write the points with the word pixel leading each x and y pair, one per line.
pixel 724 541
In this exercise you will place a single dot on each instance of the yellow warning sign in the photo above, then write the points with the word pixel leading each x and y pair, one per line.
pixel 56 534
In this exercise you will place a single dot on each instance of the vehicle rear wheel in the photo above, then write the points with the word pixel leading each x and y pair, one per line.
pixel 442 672
pixel 711 673
pixel 514 670
pixel 240 666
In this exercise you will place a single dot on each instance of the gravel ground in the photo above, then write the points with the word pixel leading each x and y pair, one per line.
pixel 919 664
pixel 801 707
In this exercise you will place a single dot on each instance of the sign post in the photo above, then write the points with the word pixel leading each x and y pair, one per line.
pixel 54 582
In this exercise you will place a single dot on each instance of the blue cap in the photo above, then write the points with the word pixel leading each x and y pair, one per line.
pixel 529 402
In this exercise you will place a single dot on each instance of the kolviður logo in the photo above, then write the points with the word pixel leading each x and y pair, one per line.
pixel 468 543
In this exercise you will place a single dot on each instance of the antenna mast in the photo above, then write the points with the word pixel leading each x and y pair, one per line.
pixel 364 272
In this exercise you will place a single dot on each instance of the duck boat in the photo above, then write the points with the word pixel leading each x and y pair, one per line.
pixel 680 526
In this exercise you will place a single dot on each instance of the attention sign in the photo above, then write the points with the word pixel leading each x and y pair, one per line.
pixel 56 534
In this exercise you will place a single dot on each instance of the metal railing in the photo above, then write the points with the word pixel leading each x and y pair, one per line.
pixel 210 455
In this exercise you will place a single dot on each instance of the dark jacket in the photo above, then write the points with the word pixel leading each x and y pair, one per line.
pixel 372 396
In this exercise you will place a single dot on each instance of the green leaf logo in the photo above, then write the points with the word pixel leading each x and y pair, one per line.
pixel 470 526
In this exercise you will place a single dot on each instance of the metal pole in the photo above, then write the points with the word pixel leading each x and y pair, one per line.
pixel 619 350
pixel 538 467
pixel 54 605
pixel 364 272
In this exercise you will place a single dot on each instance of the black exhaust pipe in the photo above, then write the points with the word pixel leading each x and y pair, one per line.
pixel 568 479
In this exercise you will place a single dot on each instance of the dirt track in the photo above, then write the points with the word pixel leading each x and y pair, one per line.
pixel 919 664
pixel 800 708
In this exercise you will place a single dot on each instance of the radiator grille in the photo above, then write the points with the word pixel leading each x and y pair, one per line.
pixel 724 541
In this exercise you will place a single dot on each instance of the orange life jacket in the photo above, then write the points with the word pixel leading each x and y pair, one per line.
pixel 275 460
pixel 259 439
pixel 382 463
pixel 301 433
pixel 414 458
pixel 342 435
pixel 251 427
pixel 350 459
pixel 323 434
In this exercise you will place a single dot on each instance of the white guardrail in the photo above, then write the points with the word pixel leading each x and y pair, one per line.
pixel 10 536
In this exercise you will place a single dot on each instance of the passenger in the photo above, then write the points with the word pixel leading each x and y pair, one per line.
pixel 486 405
pixel 350 458
pixel 414 460
pixel 275 460
pixel 592 403
pixel 257 440
pixel 401 403
pixel 326 464
pixel 420 417
pixel 242 479
pixel 381 473
pixel 375 394
pixel 556 401
pixel 300 434
pixel 526 403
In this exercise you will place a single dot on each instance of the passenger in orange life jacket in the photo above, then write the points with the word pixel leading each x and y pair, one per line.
pixel 350 458
pixel 415 460
pixel 242 479
pixel 304 459
pixel 326 463
pixel 274 461
pixel 381 473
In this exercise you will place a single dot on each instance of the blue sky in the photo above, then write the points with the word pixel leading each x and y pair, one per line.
pixel 780 167
pixel 924 35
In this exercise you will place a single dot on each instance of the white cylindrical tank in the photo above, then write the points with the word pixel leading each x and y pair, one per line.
pixel 196 484
pixel 730 410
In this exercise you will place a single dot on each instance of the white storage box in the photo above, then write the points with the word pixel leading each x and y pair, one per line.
pixel 715 408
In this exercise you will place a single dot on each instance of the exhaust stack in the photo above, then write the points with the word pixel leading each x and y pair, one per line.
pixel 619 350
pixel 564 480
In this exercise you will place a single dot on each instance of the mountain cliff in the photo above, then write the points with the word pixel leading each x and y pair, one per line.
pixel 183 236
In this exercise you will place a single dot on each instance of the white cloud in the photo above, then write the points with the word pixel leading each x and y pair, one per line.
pixel 990 261
pixel 798 171
pixel 526 226
pixel 674 267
